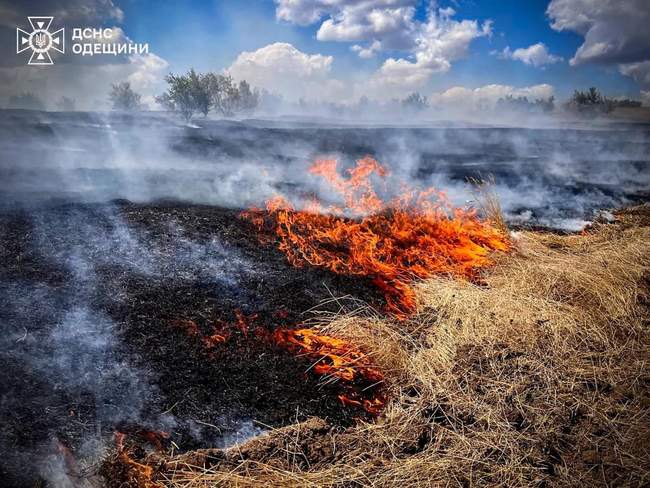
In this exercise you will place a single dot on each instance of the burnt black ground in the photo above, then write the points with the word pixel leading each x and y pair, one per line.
pixel 151 374
pixel 92 283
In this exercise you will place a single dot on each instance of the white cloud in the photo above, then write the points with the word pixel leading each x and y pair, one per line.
pixel 390 25
pixel 368 52
pixel 389 21
pixel 535 55
pixel 438 42
pixel 393 25
pixel 640 72
pixel 302 12
pixel 614 31
pixel 283 69
pixel 146 76
pixel 467 98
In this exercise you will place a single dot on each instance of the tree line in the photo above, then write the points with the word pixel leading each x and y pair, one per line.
pixel 592 100
pixel 202 93
pixel 192 93
pixel 207 92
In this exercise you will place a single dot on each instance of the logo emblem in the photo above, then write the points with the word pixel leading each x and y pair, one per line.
pixel 40 40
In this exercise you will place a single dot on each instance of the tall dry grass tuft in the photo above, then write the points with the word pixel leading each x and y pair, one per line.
pixel 537 376
pixel 488 201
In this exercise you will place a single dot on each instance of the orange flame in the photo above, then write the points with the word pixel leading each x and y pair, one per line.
pixel 414 236
pixel 137 473
pixel 334 357
pixel 337 358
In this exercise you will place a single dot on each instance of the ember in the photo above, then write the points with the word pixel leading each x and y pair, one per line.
pixel 136 473
pixel 334 358
pixel 395 242
pixel 338 359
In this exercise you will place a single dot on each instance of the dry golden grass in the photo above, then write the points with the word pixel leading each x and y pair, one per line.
pixel 488 201
pixel 538 376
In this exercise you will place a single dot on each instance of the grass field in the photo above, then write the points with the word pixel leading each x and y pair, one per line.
pixel 537 375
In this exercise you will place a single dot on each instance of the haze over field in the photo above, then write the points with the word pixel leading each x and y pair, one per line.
pixel 324 243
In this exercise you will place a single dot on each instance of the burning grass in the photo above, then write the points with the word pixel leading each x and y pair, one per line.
pixel 396 242
pixel 333 359
pixel 536 376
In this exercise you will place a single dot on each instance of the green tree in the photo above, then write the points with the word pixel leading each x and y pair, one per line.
pixel 247 99
pixel 123 97
pixel 185 95
pixel 196 92
pixel 222 93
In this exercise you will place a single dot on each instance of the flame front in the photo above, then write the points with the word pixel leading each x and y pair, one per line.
pixel 413 236
pixel 336 358
pixel 136 473
pixel 333 358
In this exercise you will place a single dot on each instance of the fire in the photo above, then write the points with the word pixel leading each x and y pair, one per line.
pixel 334 358
pixel 220 333
pixel 137 473
pixel 339 359
pixel 395 242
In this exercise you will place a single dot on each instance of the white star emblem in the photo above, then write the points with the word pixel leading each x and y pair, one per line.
pixel 40 40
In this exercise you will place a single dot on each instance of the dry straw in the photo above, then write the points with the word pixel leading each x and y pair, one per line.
pixel 537 376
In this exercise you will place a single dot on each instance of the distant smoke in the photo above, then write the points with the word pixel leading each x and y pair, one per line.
pixel 551 176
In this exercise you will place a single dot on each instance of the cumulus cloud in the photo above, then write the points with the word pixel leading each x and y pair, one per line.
pixel 640 72
pixel 535 55
pixel 614 31
pixel 439 42
pixel 432 45
pixel 303 12
pixel 367 52
pixel 468 98
pixel 283 69
pixel 393 26
pixel 389 21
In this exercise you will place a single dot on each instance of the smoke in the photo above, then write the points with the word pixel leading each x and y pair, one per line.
pixel 70 377
pixel 68 250
pixel 552 175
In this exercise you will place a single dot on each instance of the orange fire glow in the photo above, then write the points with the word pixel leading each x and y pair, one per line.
pixel 339 359
pixel 414 236
pixel 137 473
pixel 333 357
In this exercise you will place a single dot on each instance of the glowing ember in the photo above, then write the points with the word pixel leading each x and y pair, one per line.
pixel 414 236
pixel 137 473
pixel 337 358
pixel 333 358
pixel 219 334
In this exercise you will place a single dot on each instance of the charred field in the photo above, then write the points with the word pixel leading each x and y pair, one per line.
pixel 242 379
pixel 152 296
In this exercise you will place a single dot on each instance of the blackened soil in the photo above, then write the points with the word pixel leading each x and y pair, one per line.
pixel 92 343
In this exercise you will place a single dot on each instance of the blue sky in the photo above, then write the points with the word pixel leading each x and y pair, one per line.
pixel 209 35
pixel 452 51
